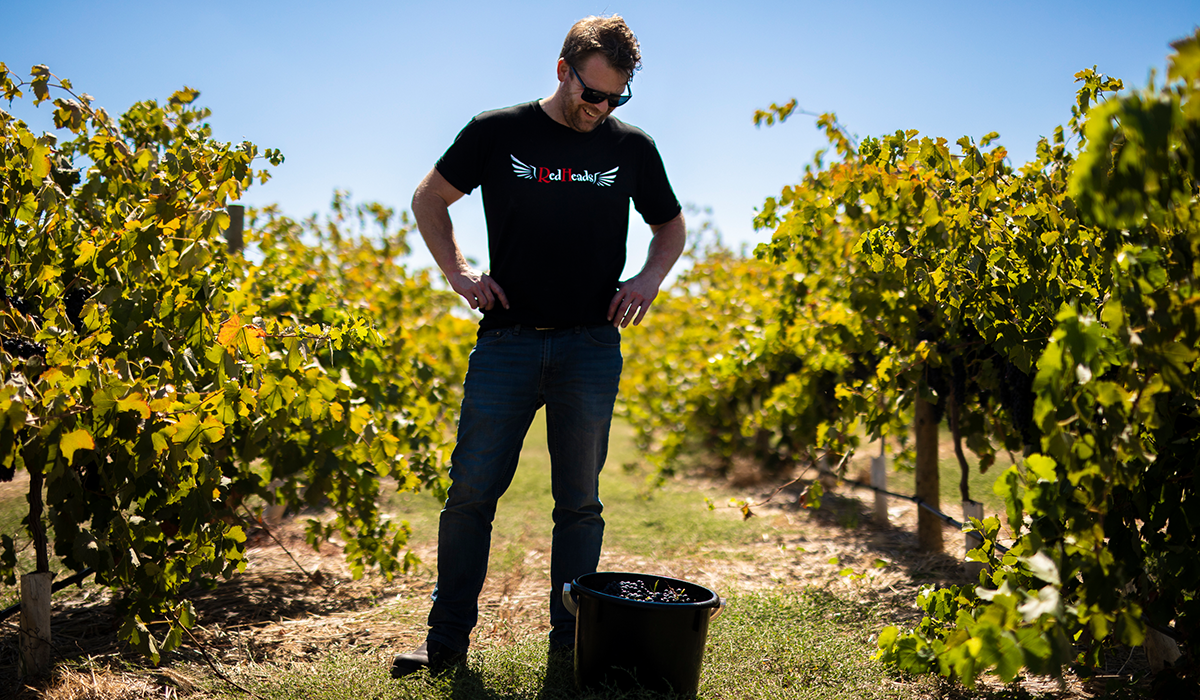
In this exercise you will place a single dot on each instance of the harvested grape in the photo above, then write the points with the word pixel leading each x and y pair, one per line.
pixel 637 590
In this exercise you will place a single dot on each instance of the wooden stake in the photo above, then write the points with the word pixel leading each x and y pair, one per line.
pixel 35 625
pixel 972 509
pixel 233 235
pixel 929 527
pixel 1161 650
pixel 879 481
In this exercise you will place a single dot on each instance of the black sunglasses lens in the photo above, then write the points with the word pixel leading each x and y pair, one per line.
pixel 593 96
pixel 596 97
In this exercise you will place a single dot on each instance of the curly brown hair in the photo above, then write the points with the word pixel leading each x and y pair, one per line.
pixel 609 36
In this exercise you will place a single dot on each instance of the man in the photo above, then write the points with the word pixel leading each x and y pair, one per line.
pixel 557 177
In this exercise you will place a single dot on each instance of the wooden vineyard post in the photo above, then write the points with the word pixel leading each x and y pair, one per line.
pixel 35 625
pixel 35 647
pixel 929 527
pixel 879 481
pixel 233 235
pixel 1161 650
pixel 972 509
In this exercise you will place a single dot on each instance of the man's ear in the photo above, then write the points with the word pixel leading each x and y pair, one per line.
pixel 564 70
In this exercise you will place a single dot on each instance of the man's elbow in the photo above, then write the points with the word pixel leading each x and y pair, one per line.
pixel 670 226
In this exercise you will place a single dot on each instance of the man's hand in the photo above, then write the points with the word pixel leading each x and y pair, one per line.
pixel 480 290
pixel 632 300
pixel 430 206
pixel 635 294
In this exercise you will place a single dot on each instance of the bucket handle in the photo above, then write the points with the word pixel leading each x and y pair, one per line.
pixel 569 601
pixel 573 607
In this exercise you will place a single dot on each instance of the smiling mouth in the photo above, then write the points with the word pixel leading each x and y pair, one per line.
pixel 590 113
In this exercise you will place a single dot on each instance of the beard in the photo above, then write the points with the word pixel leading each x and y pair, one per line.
pixel 575 117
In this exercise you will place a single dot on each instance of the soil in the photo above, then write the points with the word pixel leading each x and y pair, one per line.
pixel 294 603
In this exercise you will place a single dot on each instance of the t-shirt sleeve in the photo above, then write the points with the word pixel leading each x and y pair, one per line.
pixel 654 198
pixel 463 163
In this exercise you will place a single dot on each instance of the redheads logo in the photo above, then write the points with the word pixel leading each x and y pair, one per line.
pixel 529 172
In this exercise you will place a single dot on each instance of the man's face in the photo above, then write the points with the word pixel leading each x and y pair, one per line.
pixel 597 74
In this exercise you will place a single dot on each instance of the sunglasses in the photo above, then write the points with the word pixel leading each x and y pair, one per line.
pixel 596 97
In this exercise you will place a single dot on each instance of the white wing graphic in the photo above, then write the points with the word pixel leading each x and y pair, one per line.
pixel 607 177
pixel 521 169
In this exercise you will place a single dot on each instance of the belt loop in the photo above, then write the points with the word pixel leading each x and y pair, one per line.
pixel 578 329
pixel 517 329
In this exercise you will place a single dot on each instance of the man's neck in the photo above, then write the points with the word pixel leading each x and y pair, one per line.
pixel 552 106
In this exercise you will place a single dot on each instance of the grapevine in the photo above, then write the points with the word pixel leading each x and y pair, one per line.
pixel 168 383
pixel 1048 310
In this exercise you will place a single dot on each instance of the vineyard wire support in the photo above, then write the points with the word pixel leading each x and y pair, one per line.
pixel 58 586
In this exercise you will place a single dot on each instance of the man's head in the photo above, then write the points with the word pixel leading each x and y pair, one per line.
pixel 599 57
pixel 607 36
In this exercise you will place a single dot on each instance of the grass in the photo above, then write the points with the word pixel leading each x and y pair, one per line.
pixel 640 519
pixel 14 506
pixel 768 645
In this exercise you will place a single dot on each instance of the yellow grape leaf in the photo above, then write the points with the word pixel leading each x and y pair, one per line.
pixel 212 429
pixel 134 403
pixel 159 442
pixel 359 417
pixel 87 253
pixel 390 444
pixel 234 333
pixel 253 337
pixel 74 441
pixel 52 377
pixel 185 428
pixel 316 404
pixel 40 162
pixel 227 336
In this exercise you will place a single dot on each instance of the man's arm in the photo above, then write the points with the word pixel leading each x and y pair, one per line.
pixel 636 294
pixel 431 208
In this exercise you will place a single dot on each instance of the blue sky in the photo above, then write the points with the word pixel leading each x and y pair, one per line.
pixel 365 95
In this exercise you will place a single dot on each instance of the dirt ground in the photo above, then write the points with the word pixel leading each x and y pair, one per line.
pixel 285 609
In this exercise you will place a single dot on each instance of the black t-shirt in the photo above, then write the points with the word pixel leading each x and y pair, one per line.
pixel 557 207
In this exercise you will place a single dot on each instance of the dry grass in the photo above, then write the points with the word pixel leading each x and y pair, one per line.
pixel 104 684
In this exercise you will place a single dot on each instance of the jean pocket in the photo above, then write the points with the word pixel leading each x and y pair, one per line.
pixel 492 336
pixel 605 336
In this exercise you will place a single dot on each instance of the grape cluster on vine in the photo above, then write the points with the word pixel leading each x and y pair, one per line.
pixel 64 175
pixel 18 303
pixel 23 348
pixel 1016 396
pixel 73 302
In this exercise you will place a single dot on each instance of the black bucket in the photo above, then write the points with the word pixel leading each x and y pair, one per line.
pixel 634 644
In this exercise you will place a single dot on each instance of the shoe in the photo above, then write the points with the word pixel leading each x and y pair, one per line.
pixel 560 667
pixel 563 640
pixel 435 656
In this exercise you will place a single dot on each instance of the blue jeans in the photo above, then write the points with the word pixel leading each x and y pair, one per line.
pixel 574 373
